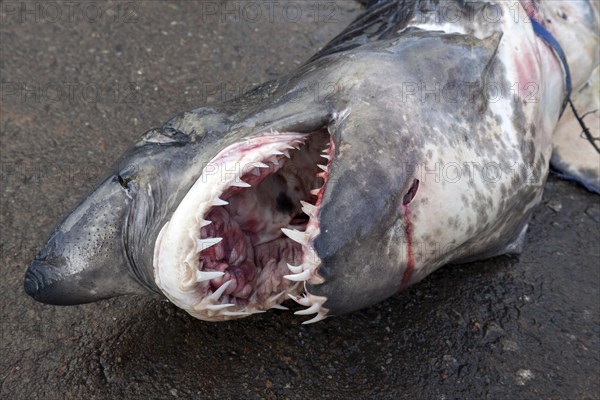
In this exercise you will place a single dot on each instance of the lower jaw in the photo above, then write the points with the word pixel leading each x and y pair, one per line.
pixel 256 240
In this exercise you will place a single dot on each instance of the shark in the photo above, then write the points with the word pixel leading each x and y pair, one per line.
pixel 432 144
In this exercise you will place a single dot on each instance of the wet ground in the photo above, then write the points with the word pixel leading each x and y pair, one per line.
pixel 79 86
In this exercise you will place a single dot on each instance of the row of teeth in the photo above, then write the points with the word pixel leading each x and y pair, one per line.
pixel 210 304
pixel 307 271
pixel 302 273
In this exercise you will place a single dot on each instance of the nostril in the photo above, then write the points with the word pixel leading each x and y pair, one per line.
pixel 33 282
pixel 38 277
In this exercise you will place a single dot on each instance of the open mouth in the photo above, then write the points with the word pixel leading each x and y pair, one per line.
pixel 240 242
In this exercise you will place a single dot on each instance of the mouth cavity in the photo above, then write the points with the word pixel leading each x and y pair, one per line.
pixel 240 242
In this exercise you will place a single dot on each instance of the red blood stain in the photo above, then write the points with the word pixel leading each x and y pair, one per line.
pixel 410 261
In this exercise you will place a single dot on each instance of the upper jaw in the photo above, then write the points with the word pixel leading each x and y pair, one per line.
pixel 181 247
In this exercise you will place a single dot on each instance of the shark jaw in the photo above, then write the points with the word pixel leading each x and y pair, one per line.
pixel 240 241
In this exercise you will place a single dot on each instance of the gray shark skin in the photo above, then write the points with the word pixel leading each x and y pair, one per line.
pixel 429 157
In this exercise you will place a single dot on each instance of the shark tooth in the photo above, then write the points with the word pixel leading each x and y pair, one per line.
pixel 302 276
pixel 256 311
pixel 218 306
pixel 219 202
pixel 303 301
pixel 323 167
pixel 297 236
pixel 240 183
pixel 235 313
pixel 200 221
pixel 310 310
pixel 219 291
pixel 317 318
pixel 278 295
pixel 315 191
pixel 202 276
pixel 309 209
pixel 295 269
pixel 279 307
pixel 203 244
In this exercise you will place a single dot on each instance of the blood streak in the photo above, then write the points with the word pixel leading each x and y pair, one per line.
pixel 410 262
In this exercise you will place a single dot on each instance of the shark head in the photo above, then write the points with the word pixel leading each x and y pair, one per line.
pixel 282 193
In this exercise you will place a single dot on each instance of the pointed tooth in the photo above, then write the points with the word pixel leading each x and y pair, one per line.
pixel 240 183
pixel 310 310
pixel 235 313
pixel 295 269
pixel 260 165
pixel 202 276
pixel 256 311
pixel 308 208
pixel 278 295
pixel 297 236
pixel 204 223
pixel 203 244
pixel 303 301
pixel 323 167
pixel 275 297
pixel 219 202
pixel 218 306
pixel 277 152
pixel 326 156
pixel 219 291
pixel 279 307
pixel 286 153
pixel 315 191
pixel 317 318
pixel 302 276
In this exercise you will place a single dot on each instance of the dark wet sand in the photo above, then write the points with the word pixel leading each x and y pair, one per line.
pixel 76 93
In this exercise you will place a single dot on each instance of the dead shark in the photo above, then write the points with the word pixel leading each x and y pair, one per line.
pixel 431 146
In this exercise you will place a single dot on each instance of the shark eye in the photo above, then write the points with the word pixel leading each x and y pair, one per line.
pixel 412 191
pixel 125 176
pixel 122 181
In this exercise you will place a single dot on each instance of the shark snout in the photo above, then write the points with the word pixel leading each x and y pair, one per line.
pixel 39 280
pixel 85 259
pixel 34 280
